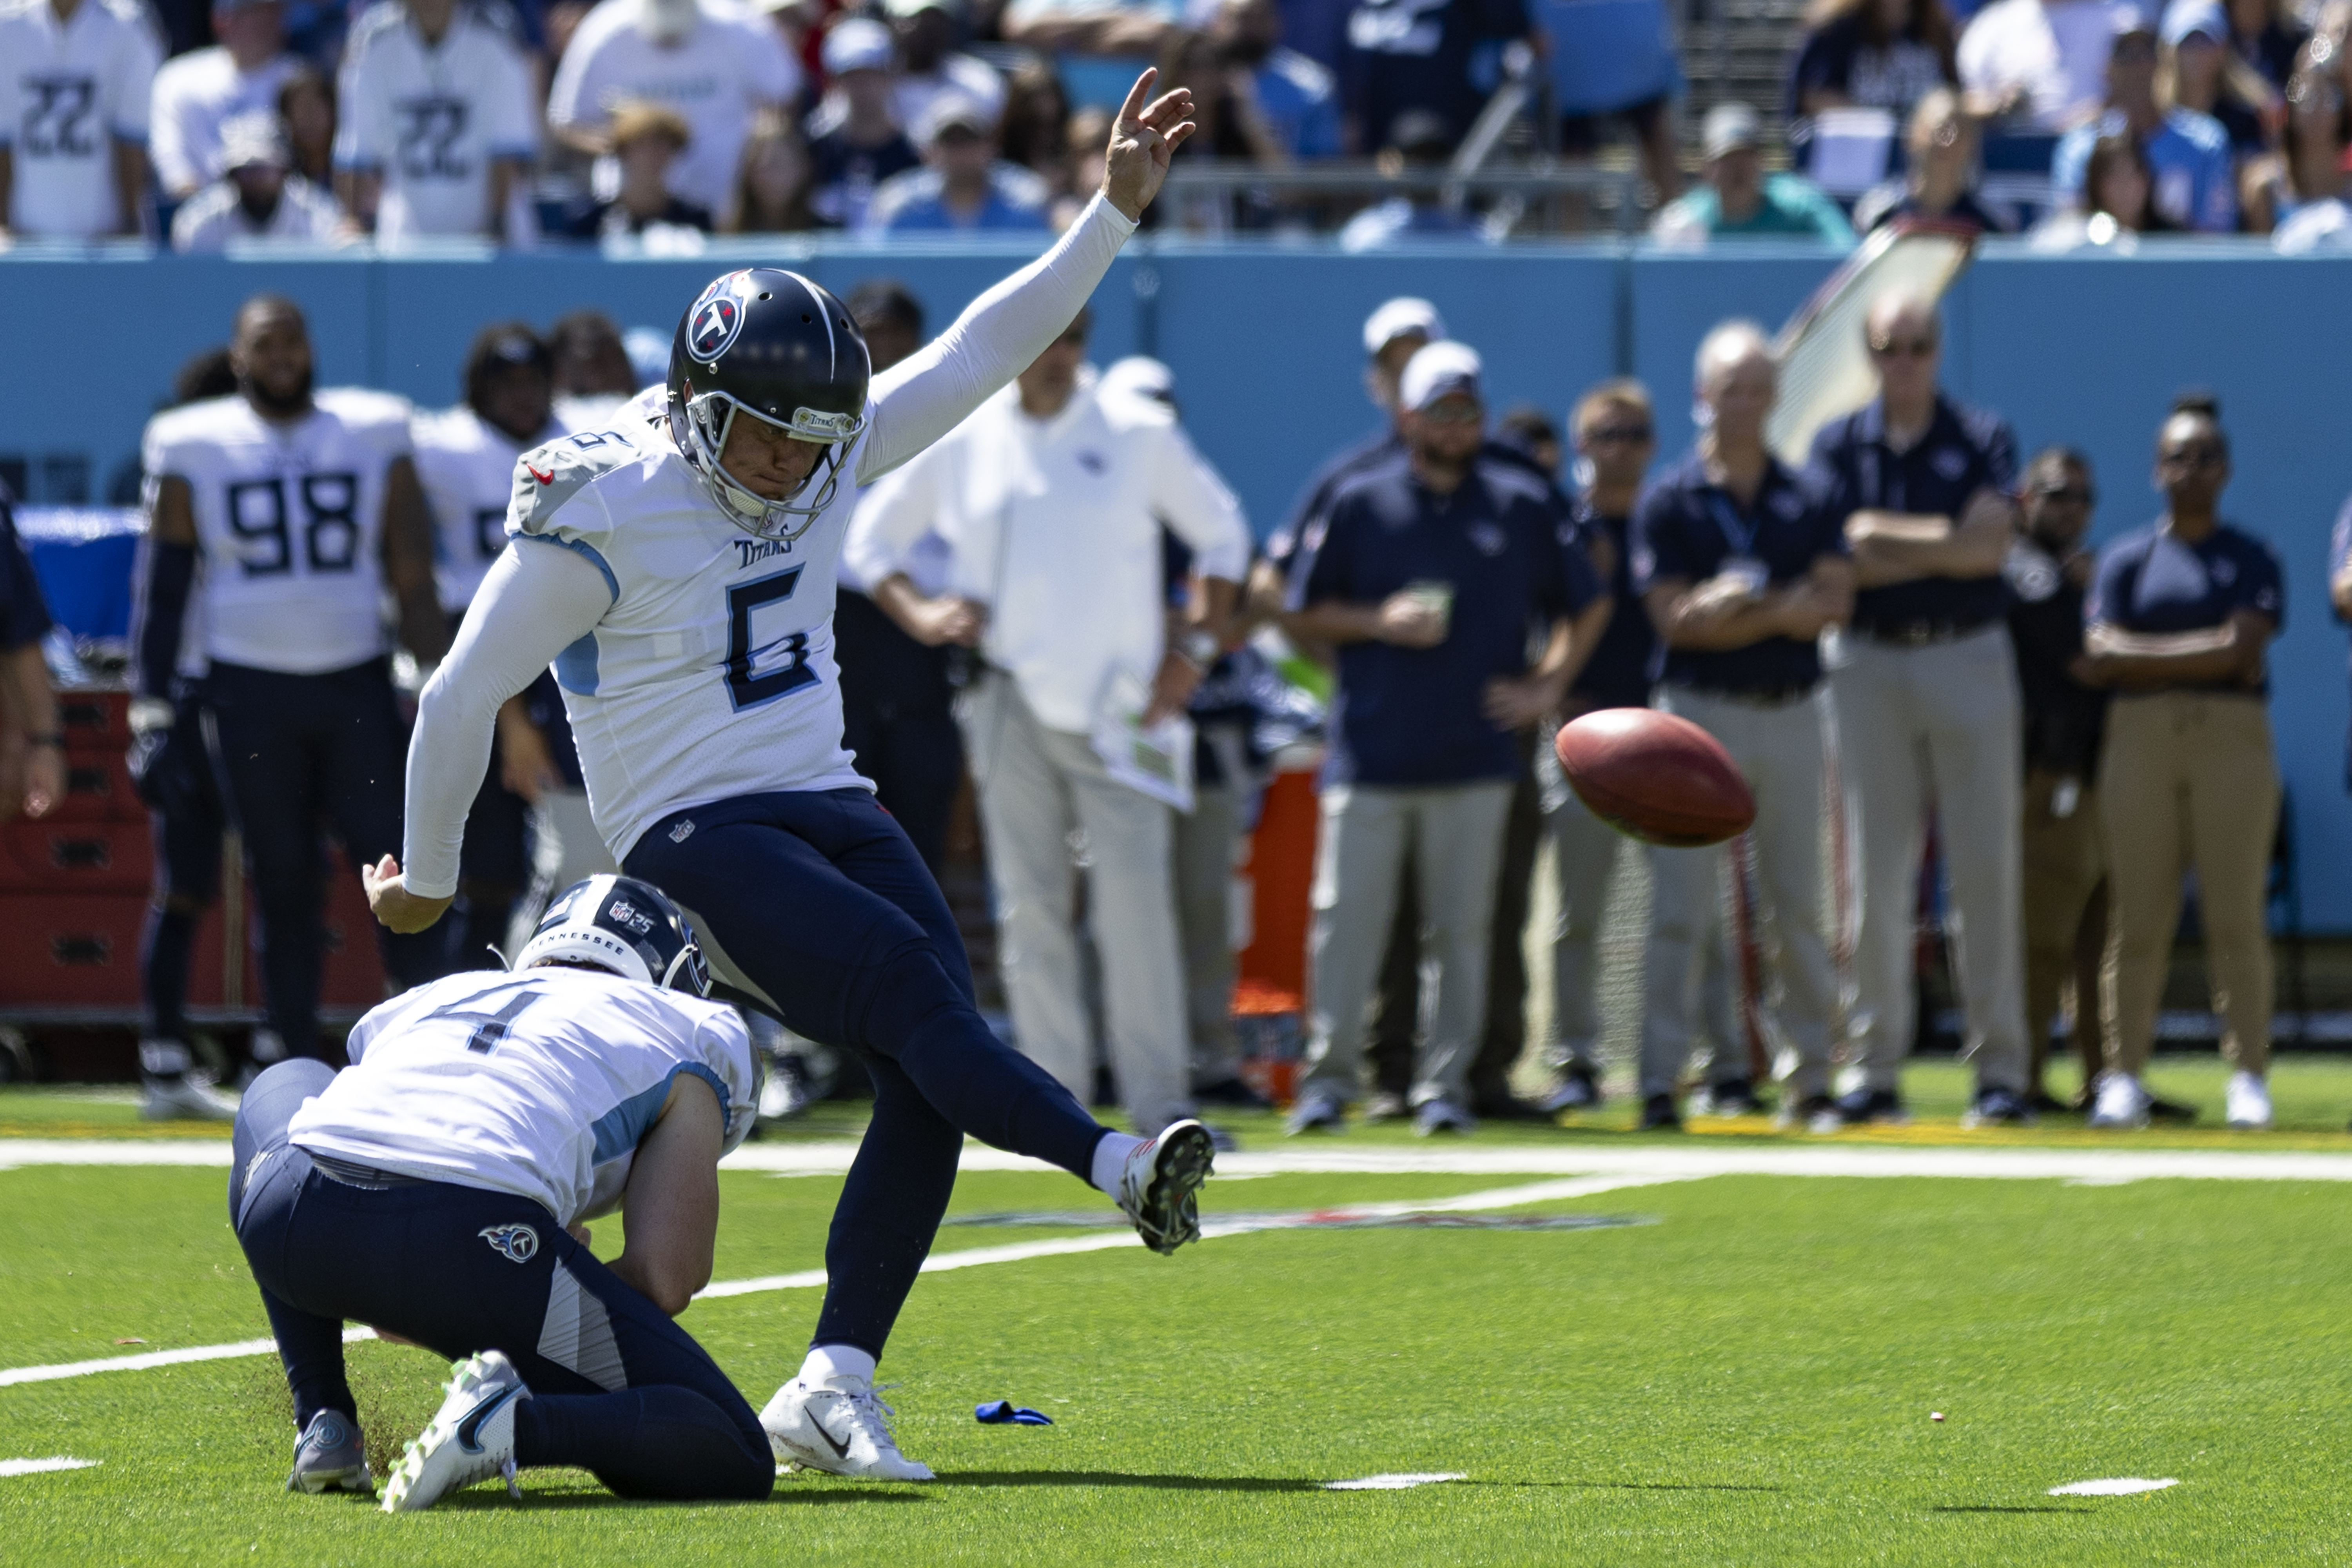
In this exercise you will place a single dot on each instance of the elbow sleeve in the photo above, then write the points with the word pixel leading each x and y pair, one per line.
pixel 163 609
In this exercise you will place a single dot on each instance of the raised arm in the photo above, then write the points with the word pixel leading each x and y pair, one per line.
pixel 930 392
pixel 539 599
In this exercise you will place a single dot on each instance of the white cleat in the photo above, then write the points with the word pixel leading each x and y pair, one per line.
pixel 1159 1186
pixel 186 1096
pixel 470 1438
pixel 838 1427
pixel 2248 1101
pixel 2122 1102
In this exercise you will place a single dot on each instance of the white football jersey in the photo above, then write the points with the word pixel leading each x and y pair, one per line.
pixel 431 118
pixel 289 524
pixel 712 675
pixel 466 465
pixel 541 1084
pixel 66 95
pixel 194 95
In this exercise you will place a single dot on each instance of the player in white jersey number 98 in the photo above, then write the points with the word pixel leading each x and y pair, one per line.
pixel 687 607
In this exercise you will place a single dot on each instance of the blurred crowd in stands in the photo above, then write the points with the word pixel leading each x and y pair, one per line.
pixel 653 121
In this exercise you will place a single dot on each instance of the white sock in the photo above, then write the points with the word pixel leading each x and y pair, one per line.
pixel 1110 1159
pixel 827 1363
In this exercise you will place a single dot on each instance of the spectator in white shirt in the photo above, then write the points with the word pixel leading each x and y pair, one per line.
pixel 197 93
pixel 437 131
pixel 720 68
pixel 2043 61
pixel 256 197
pixel 75 79
pixel 930 64
pixel 1050 498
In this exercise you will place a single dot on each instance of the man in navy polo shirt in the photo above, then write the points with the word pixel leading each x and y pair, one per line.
pixel 1926 686
pixel 1741 570
pixel 1431 574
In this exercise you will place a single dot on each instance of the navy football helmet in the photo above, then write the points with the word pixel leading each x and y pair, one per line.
pixel 623 924
pixel 773 345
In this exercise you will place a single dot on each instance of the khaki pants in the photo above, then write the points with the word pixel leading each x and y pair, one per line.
pixel 2189 782
pixel 1783 750
pixel 1041 792
pixel 1202 863
pixel 1454 834
pixel 1934 728
pixel 2065 920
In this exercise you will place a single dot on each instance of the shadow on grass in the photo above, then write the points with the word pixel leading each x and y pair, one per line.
pixel 487 1501
pixel 1120 1478
pixel 2006 1507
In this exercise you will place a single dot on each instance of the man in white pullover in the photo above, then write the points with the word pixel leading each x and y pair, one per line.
pixel 675 566
pixel 1050 500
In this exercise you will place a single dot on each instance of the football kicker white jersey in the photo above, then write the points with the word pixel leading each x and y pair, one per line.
pixel 289 525
pixel 715 663
pixel 432 118
pixel 66 95
pixel 540 1083
pixel 466 465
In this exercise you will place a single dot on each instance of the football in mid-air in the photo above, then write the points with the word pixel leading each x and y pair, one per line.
pixel 1656 777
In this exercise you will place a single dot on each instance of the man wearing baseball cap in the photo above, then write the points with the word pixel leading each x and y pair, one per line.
pixel 856 141
pixel 256 196
pixel 963 186
pixel 1427 573
pixel 1736 198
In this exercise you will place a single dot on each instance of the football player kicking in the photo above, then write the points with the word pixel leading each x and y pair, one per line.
pixel 436 1190
pixel 678 570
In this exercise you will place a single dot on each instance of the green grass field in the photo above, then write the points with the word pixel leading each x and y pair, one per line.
pixel 1748 1379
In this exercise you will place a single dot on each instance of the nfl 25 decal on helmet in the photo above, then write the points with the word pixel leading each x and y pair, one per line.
pixel 775 346
pixel 623 924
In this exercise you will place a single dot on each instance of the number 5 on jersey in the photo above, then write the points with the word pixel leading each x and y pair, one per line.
pixel 748 685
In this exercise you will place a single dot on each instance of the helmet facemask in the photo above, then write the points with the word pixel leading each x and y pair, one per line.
pixel 702 429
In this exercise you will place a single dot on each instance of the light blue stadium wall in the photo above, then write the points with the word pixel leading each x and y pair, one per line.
pixel 1265 345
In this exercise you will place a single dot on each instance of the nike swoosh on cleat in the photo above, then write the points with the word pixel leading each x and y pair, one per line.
pixel 840 1450
pixel 470 1427
pixel 546 478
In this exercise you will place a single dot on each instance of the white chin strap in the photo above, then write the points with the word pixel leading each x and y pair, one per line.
pixel 710 416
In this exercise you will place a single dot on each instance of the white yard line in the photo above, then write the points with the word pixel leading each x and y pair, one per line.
pixel 1339 1156
pixel 42 1466
pixel 938 1263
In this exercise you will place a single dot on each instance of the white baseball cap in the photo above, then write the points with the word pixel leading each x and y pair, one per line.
pixel 1399 316
pixel 1137 376
pixel 1440 369
pixel 857 44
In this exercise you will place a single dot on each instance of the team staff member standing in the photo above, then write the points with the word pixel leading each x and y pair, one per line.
pixel 897 703
pixel 1741 569
pixel 1050 498
pixel 1428 574
pixel 2048 573
pixel 2180 614
pixel 1925 690
pixel 301 511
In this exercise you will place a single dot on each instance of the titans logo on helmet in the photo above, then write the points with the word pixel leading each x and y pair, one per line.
pixel 515 1243
pixel 718 318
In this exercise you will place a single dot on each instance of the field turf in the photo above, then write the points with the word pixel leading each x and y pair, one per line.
pixel 1747 1378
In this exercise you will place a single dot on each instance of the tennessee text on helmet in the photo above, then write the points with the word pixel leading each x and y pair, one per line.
pixel 772 345
pixel 623 924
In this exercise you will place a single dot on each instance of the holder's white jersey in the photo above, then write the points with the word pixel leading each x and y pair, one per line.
pixel 67 94
pixel 289 524
pixel 696 660
pixel 432 118
pixel 540 1083
pixel 466 467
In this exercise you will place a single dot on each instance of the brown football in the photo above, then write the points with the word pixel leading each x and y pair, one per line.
pixel 1661 779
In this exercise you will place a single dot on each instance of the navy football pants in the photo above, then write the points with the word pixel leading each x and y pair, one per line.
pixel 292 749
pixel 822 900
pixel 617 1388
